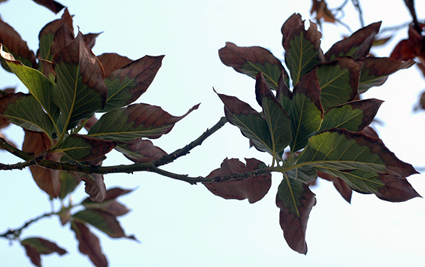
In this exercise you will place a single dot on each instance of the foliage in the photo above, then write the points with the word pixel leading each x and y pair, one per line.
pixel 312 123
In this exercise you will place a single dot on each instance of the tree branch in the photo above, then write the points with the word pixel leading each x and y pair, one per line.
pixel 15 233
pixel 15 151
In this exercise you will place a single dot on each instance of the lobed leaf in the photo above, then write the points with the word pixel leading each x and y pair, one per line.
pixel 355 46
pixel 81 90
pixel 353 116
pixel 303 52
pixel 137 120
pixel 249 121
pixel 251 60
pixel 86 148
pixel 89 244
pixel 339 81
pixel 375 71
pixel 127 84
pixel 141 151
pixel 278 122
pixel 253 188
pixel 306 111
pixel 295 201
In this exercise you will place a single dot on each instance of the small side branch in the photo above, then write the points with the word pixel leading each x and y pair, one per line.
pixel 15 151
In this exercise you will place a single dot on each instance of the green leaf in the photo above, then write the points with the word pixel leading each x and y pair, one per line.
pixel 86 148
pixel 137 120
pixel 353 116
pixel 277 120
pixel 42 245
pixel 354 157
pixel 68 181
pixel 375 71
pixel 249 121
pixel 103 221
pixel 295 201
pixel 339 81
pixel 306 174
pixel 357 45
pixel 128 83
pixel 251 60
pixel 306 111
pixel 38 85
pixel 303 52
pixel 80 90
pixel 25 111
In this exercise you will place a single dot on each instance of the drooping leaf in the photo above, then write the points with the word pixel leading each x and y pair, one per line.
pixel 357 45
pixel 81 90
pixel 137 120
pixel 339 81
pixel 249 121
pixel 306 110
pixel 254 188
pixel 277 119
pixel 47 180
pixel 303 52
pixel 25 111
pixel 35 246
pixel 341 186
pixel 89 244
pixel 411 47
pixel 353 116
pixel 47 34
pixel 127 84
pixel 112 62
pixel 141 151
pixel 86 148
pixel 13 43
pixel 103 221
pixel 375 71
pixel 295 201
pixel 69 181
pixel 38 84
pixel 52 5
pixel 251 60
pixel 356 158
pixel 94 186
pixel 395 189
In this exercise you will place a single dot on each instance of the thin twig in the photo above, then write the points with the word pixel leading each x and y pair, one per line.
pixel 15 233
pixel 356 4
pixel 15 151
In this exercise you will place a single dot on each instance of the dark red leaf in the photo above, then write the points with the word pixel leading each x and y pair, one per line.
pixel 341 186
pixel 89 244
pixel 52 5
pixel 396 189
pixel 253 188
pixel 141 151
pixel 90 38
pixel 112 62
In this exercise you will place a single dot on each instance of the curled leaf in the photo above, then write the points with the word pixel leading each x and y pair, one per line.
pixel 141 151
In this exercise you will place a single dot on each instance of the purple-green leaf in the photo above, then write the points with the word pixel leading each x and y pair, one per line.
pixel 141 151
pixel 251 60
pixel 295 201
pixel 302 48
pixel 137 120
pixel 86 148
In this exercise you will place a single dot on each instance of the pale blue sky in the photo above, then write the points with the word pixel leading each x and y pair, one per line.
pixel 183 225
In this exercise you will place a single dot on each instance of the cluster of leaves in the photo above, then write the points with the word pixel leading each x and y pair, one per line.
pixel 67 85
pixel 411 48
pixel 317 129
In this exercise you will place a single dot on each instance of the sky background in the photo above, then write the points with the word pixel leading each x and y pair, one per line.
pixel 183 225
